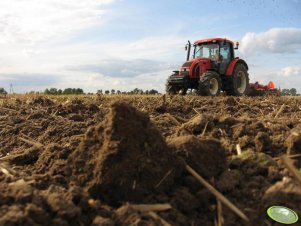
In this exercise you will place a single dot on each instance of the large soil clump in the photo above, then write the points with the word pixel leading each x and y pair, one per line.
pixel 125 158
pixel 207 157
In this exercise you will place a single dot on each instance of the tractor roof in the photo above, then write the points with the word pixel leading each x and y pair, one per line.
pixel 212 40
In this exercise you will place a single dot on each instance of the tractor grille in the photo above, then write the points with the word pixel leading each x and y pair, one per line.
pixel 184 73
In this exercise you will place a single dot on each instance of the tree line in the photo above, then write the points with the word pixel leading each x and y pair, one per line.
pixel 289 92
pixel 67 91
pixel 132 92
pixel 79 91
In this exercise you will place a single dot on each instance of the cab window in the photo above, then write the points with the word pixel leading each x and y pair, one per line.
pixel 205 50
pixel 225 52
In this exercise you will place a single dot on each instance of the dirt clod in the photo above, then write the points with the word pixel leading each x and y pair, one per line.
pixel 196 125
pixel 128 158
pixel 207 157
pixel 293 143
pixel 262 142
pixel 229 180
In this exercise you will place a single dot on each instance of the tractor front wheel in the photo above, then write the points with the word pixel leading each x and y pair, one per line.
pixel 210 84
pixel 173 90
pixel 239 81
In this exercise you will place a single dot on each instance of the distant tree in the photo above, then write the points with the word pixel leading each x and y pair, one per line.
pixel 118 92
pixel 107 92
pixel 59 92
pixel 289 92
pixel 113 91
pixel 137 91
pixel 53 91
pixel 153 92
pixel 293 92
pixel 67 91
pixel 79 91
pixel 99 91
pixel 284 92
pixel 46 91
pixel 2 91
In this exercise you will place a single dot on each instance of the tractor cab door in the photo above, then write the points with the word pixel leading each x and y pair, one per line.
pixel 225 52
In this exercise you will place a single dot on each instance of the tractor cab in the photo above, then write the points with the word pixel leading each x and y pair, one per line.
pixel 219 51
pixel 211 67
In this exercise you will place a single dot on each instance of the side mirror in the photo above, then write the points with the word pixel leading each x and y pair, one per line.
pixel 237 44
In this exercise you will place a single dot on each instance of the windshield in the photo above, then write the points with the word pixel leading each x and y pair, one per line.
pixel 206 50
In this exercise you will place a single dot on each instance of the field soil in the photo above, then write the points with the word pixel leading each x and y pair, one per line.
pixel 94 160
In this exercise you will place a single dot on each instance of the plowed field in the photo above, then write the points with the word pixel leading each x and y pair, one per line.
pixel 92 160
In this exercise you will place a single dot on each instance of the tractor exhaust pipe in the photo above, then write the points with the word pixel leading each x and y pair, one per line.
pixel 187 47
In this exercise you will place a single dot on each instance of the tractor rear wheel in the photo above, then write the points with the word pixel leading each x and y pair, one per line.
pixel 239 82
pixel 210 84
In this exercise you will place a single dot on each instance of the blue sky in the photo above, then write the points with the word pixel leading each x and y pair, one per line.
pixel 124 44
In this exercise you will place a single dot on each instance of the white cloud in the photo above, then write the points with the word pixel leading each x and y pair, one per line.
pixel 290 71
pixel 127 59
pixel 93 66
pixel 275 40
pixel 39 20
pixel 124 68
pixel 153 48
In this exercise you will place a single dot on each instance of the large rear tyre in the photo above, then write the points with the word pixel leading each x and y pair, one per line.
pixel 210 84
pixel 239 82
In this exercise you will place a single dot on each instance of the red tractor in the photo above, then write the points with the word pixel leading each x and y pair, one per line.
pixel 212 69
